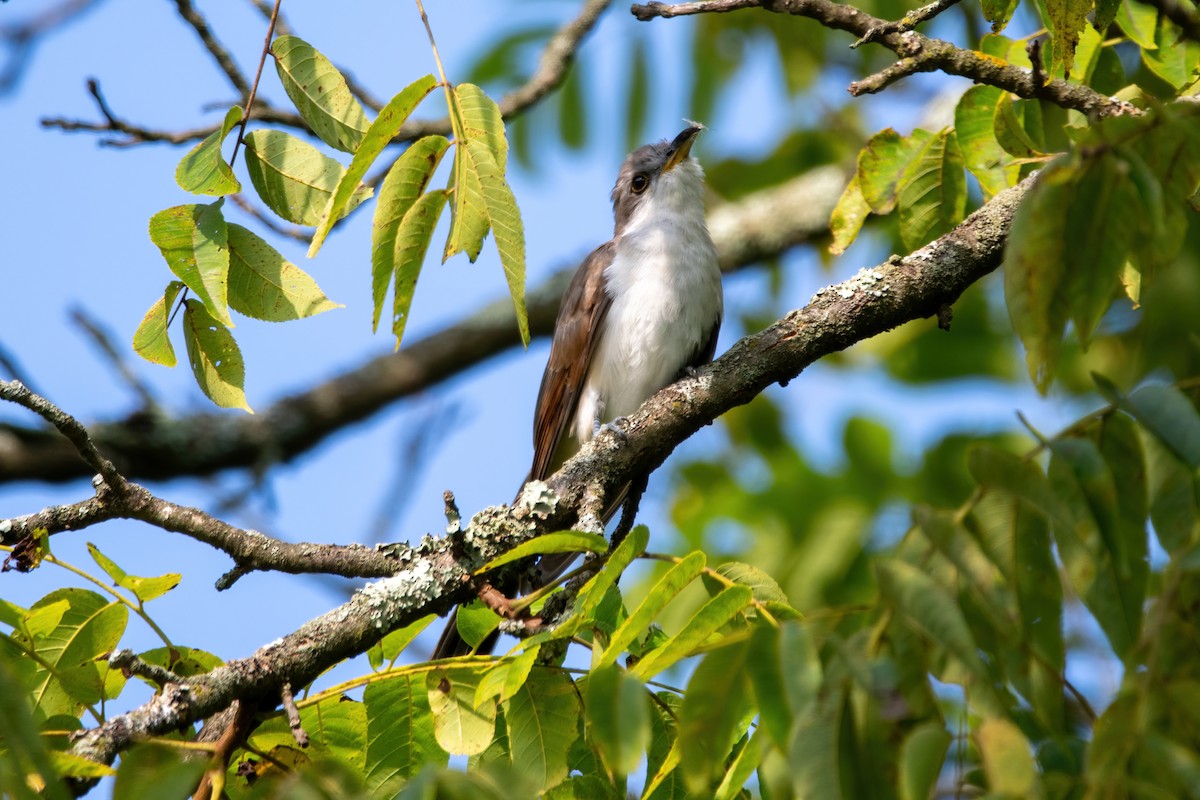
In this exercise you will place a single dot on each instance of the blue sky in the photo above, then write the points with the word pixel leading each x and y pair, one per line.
pixel 74 226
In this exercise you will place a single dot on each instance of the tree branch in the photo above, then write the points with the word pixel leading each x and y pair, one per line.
pixel 149 446
pixel 918 53
pixel 432 580
pixel 224 60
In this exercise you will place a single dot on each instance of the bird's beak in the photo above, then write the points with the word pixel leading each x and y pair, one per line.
pixel 680 147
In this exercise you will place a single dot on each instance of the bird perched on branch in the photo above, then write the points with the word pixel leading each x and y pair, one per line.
pixel 642 310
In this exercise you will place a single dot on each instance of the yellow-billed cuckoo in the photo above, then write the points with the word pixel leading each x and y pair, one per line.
pixel 643 309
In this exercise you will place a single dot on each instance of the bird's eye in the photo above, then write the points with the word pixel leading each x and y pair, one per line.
pixel 640 182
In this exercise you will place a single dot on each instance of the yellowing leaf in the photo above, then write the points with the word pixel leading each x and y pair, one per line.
pixel 294 178
pixel 482 121
pixel 266 286
pixel 848 216
pixel 412 242
pixel 378 136
pixel 460 727
pixel 1007 759
pixel 561 542
pixel 151 341
pixel 215 358
pixel 203 170
pixel 194 241
pixel 145 589
pixel 405 182
pixel 1065 18
pixel 320 93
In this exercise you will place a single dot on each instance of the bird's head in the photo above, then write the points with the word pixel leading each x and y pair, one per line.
pixel 659 178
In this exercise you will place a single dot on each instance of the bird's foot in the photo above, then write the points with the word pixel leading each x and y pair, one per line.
pixel 616 426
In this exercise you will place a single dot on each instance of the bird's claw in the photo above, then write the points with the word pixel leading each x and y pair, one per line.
pixel 616 426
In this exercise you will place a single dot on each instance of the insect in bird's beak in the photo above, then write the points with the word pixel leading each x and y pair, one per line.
pixel 681 147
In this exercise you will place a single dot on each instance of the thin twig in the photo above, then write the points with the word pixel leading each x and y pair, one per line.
pixel 293 716
pixel 262 59
pixel 9 363
pixel 219 53
pixel 104 343
pixel 21 37
pixel 68 426
pixel 906 23
pixel 129 664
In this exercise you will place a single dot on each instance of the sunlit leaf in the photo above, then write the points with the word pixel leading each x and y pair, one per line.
pixel 1066 19
pixel 848 216
pixel 194 241
pixel 204 170
pixel 998 12
pixel 542 719
pixel 663 592
pixel 975 129
pixel 378 136
pixel 319 93
pixel 145 589
pixel 561 542
pixel 883 162
pixel 932 192
pixel 460 727
pixel 294 178
pixel 151 341
pixel 1007 759
pixel 475 621
pixel 505 221
pixel 708 620
pixel 215 358
pixel 1139 21
pixel 412 242
pixel 391 646
pixel 265 285
pixel 741 769
pixel 400 730
pixel 405 182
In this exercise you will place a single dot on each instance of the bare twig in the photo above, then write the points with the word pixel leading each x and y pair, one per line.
pixel 215 48
pixel 267 8
pixel 104 343
pixel 293 715
pixel 262 59
pixel 9 363
pixel 68 426
pixel 129 664
pixel 906 23
pixel 1034 51
pixel 918 53
pixel 20 38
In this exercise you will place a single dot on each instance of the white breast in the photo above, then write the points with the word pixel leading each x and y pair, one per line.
pixel 666 297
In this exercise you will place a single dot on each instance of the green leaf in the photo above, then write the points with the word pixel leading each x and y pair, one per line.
pixel 194 241
pixel 264 285
pixel 1170 417
pixel 475 621
pixel 24 758
pixel 708 620
pixel 663 779
pixel 504 218
pixel 785 674
pixel 542 719
pixel 921 760
pixel 883 162
pixel 1106 12
pixel 319 93
pixel 933 192
pixel 1010 131
pixel 1034 277
pixel 618 718
pixel 378 136
pixel 930 608
pixel 1088 541
pixel 714 706
pixel 1065 19
pixel 294 178
pixel 506 678
pixel 215 358
pixel 154 770
pixel 412 242
pixel 975 129
pixel 1139 22
pixel 482 121
pixel 766 589
pixel 562 542
pixel 70 765
pixel 1100 226
pixel 151 340
pixel 391 646
pixel 1173 496
pixel 848 216
pixel 741 769
pixel 183 661
pixel 145 589
pixel 594 592
pixel 468 210
pixel 405 182
pixel 663 592
pixel 400 733
pixel 203 170
pixel 91 626
pixel 460 727
pixel 814 755
pixel 1007 759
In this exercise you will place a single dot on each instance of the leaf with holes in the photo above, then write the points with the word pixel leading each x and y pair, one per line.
pixel 215 358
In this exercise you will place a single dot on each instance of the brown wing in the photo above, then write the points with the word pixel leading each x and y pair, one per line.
pixel 576 332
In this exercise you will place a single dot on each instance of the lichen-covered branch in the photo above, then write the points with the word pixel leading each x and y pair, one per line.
pixel 149 446
pixel 918 52
pixel 434 575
